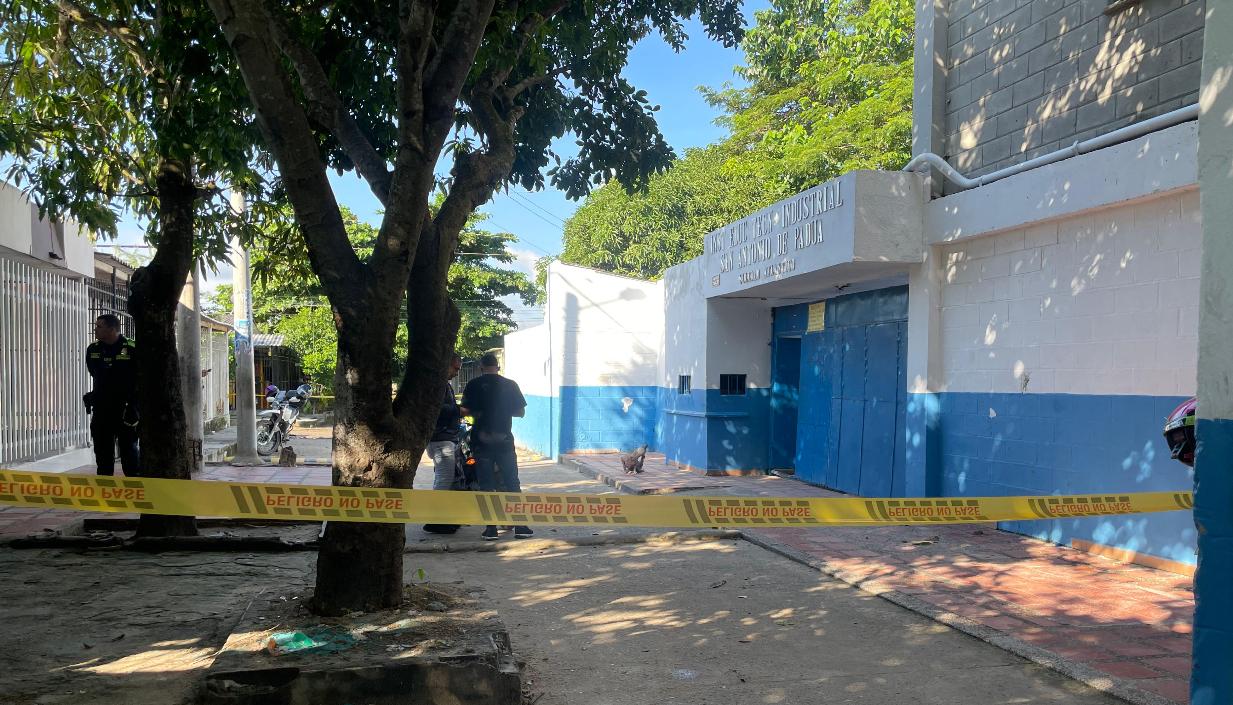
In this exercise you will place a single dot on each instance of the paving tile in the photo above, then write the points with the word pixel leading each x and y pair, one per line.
pixel 1127 669
pixel 1175 665
pixel 1114 616
pixel 1175 689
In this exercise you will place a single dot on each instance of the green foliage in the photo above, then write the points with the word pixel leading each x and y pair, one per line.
pixel 477 282
pixel 643 233
pixel 97 94
pixel 288 298
pixel 830 91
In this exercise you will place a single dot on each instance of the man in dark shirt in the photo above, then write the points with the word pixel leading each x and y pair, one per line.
pixel 111 361
pixel 493 401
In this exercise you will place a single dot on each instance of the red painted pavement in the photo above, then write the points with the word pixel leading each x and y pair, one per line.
pixel 1121 619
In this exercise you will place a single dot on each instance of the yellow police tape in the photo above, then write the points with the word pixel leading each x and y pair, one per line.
pixel 243 500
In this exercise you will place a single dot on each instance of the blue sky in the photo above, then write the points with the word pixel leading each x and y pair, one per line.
pixel 671 80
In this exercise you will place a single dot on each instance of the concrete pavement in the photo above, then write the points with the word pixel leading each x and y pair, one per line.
pixel 1120 627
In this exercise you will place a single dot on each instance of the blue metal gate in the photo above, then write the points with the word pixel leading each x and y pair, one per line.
pixel 852 396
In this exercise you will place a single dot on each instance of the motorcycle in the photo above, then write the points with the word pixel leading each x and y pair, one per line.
pixel 274 424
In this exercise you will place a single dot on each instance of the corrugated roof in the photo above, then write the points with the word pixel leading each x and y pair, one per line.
pixel 268 340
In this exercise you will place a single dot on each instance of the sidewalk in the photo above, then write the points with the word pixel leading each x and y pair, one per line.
pixel 1121 628
pixel 17 522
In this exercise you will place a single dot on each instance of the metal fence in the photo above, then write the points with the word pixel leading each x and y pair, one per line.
pixel 109 296
pixel 45 325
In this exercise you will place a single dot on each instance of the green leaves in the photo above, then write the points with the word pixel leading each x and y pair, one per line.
pixel 830 91
pixel 288 297
pixel 643 233
pixel 97 93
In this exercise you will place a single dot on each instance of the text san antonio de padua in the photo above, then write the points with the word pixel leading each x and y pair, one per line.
pixel 765 245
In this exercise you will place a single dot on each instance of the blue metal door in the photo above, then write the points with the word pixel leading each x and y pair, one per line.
pixel 853 394
pixel 785 392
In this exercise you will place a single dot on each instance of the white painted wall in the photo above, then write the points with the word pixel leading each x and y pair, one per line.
pixel 606 329
pixel 599 330
pixel 684 339
pixel 527 360
pixel 17 218
pixel 738 336
pixel 1103 303
pixel 1216 118
pixel 1148 167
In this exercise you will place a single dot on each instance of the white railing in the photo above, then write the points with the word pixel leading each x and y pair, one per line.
pixel 44 330
pixel 216 384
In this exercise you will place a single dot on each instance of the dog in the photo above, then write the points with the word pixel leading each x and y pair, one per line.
pixel 632 461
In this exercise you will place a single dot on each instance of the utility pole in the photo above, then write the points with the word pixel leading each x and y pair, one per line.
pixel 245 380
pixel 188 334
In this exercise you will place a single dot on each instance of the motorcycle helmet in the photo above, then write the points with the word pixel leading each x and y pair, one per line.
pixel 1179 432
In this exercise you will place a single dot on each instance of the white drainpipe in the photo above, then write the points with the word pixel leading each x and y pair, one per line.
pixel 1190 112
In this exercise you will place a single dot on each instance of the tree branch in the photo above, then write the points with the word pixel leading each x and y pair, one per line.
pixel 285 126
pixel 447 72
pixel 327 108
pixel 119 31
pixel 526 29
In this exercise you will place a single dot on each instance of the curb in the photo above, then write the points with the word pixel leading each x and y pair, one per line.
pixel 1097 680
pixel 532 545
pixel 74 527
pixel 299 462
pixel 621 485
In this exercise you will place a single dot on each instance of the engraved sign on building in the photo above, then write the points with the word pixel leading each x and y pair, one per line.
pixel 843 220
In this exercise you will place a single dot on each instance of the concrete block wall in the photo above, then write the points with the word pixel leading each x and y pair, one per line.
pixel 1027 77
pixel 1064 347
pixel 1105 303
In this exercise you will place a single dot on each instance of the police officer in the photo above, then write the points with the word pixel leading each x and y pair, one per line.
pixel 112 362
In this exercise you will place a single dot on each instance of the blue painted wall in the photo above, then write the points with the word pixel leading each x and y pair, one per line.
pixel 710 431
pixel 682 430
pixel 595 418
pixel 537 430
pixel 738 430
pixel 1017 444
pixel 1211 679
pixel 589 418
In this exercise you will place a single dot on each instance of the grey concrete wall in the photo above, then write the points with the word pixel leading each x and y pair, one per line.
pixel 1026 77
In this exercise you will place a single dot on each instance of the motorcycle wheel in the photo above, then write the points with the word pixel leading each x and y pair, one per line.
pixel 268 439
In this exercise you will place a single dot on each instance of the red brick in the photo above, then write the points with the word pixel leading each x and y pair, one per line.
pixel 1175 689
pixel 1004 623
pixel 1134 649
pixel 1084 653
pixel 1176 665
pixel 1127 669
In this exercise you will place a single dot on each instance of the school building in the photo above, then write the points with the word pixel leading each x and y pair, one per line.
pixel 1014 313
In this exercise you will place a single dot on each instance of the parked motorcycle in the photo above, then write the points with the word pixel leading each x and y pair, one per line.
pixel 274 424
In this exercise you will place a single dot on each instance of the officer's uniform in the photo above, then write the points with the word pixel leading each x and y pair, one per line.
pixel 114 370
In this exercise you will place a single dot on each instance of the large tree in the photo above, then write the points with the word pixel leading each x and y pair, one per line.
pixel 116 107
pixel 389 90
pixel 828 90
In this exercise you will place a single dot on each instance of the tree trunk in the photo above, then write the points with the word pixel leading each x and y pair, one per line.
pixel 153 298
pixel 359 566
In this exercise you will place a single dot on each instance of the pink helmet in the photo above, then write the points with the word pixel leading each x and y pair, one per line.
pixel 1179 432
